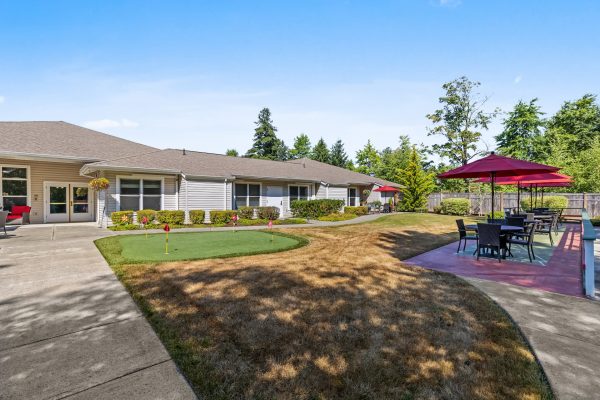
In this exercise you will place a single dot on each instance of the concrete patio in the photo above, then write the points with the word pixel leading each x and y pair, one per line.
pixel 68 328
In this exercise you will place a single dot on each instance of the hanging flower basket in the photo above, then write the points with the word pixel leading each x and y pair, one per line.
pixel 99 184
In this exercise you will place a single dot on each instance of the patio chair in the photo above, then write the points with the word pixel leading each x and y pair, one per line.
pixel 548 227
pixel 530 216
pixel 462 235
pixel 3 215
pixel 495 221
pixel 515 221
pixel 489 238
pixel 386 208
pixel 524 239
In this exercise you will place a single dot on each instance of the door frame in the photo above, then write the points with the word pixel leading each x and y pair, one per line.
pixel 46 194
pixel 281 197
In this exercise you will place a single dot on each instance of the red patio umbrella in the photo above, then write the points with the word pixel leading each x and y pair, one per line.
pixel 549 179
pixel 496 166
pixel 386 189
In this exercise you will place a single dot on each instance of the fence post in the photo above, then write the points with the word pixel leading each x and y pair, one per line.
pixel 585 200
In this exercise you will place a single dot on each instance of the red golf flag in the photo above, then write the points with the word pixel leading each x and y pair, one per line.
pixel 270 223
pixel 234 218
pixel 144 220
pixel 167 228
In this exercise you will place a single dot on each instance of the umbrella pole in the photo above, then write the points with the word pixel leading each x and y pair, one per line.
pixel 493 175
pixel 531 196
pixel 542 197
pixel 518 198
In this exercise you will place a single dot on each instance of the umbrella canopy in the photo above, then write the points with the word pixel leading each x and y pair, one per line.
pixel 498 165
pixel 546 178
pixel 386 189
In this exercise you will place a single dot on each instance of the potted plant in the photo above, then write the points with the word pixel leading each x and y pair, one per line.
pixel 100 185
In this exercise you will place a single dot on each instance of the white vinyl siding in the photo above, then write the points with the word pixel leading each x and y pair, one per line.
pixel 338 193
pixel 170 193
pixel 202 195
pixel 321 191
pixel 40 171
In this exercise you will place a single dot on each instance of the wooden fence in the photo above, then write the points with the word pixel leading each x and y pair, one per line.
pixel 482 203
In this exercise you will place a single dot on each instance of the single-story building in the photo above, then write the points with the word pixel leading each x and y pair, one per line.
pixel 47 165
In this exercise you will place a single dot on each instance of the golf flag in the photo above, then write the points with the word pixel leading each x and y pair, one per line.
pixel 234 219
pixel 167 229
pixel 144 222
pixel 271 228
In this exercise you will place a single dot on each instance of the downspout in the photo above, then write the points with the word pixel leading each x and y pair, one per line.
pixel 225 194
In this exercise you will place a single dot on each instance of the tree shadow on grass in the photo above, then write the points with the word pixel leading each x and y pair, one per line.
pixel 316 324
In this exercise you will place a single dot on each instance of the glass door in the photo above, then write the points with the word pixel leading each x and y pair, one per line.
pixel 80 206
pixel 57 203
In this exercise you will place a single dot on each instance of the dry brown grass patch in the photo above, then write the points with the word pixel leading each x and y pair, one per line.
pixel 342 318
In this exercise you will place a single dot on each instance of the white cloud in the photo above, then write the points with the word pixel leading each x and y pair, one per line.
pixel 449 3
pixel 111 123
pixel 2 99
pixel 518 78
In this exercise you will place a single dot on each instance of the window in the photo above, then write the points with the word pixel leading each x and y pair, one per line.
pixel 352 197
pixel 14 187
pixel 140 194
pixel 247 195
pixel 298 193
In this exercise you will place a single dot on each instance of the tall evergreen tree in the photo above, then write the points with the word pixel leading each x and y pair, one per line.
pixel 338 156
pixel 320 152
pixel 368 160
pixel 282 152
pixel 266 144
pixel 417 183
pixel 522 135
pixel 232 153
pixel 301 147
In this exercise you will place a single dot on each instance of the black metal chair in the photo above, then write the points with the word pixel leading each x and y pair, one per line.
pixel 524 239
pixel 548 227
pixel 462 234
pixel 515 221
pixel 490 238
pixel 495 221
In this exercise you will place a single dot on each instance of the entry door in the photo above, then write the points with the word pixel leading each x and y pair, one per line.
pixel 67 202
pixel 275 198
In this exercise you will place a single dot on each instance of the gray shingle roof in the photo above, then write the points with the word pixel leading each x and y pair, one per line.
pixel 60 139
pixel 201 164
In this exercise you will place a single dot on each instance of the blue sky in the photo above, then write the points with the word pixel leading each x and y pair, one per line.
pixel 195 74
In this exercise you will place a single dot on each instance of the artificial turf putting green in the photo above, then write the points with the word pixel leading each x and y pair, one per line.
pixel 133 249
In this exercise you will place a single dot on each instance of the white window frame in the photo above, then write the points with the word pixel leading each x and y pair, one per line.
pixel 141 178
pixel 28 195
pixel 356 198
pixel 308 192
pixel 234 191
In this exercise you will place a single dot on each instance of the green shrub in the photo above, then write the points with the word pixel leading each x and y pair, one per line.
pixel 197 216
pixel 268 213
pixel 222 217
pixel 362 210
pixel 171 217
pixel 289 221
pixel 549 202
pixel 497 215
pixel 122 217
pixel 421 210
pixel 333 217
pixel 246 212
pixel 124 227
pixel 149 214
pixel 313 209
pixel 455 206
pixel 437 209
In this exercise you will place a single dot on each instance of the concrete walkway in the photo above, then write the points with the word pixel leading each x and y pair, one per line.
pixel 68 328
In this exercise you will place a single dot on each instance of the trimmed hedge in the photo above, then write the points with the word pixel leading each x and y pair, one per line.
pixel 268 212
pixel 549 202
pixel 221 217
pixel 150 214
pixel 172 217
pixel 497 215
pixel 455 206
pixel 197 216
pixel 314 209
pixel 362 210
pixel 246 212
pixel 334 217
pixel 122 217
pixel 421 210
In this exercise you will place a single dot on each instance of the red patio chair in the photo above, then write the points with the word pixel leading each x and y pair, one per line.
pixel 19 212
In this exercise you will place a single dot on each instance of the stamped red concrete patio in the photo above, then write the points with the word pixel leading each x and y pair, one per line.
pixel 561 274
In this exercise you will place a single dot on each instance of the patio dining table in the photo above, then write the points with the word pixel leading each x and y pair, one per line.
pixel 503 228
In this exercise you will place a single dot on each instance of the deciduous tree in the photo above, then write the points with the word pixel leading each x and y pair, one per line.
pixel 301 147
pixel 522 135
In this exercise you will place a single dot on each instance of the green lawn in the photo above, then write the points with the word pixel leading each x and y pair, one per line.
pixel 133 249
